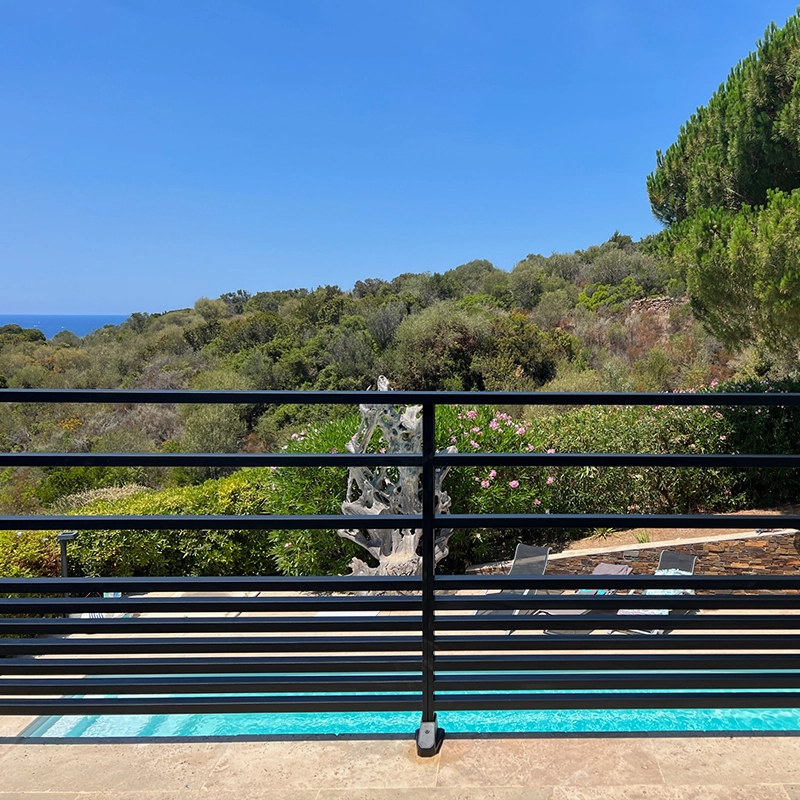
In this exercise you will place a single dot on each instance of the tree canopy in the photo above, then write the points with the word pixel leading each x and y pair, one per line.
pixel 726 192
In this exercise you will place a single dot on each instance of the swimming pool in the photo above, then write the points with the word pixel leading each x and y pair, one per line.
pixel 561 721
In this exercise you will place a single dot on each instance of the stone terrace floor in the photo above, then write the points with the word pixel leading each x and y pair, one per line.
pixel 650 767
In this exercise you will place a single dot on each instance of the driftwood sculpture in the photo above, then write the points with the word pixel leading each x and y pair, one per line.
pixel 398 491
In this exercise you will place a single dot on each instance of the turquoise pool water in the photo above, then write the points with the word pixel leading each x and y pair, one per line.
pixel 562 721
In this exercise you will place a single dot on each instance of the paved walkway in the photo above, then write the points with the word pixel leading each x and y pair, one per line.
pixel 551 768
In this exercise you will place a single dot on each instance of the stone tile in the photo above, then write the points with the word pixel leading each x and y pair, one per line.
pixel 263 793
pixel 198 794
pixel 39 796
pixel 441 793
pixel 729 761
pixel 792 791
pixel 13 726
pixel 251 766
pixel 42 796
pixel 107 767
pixel 752 792
pixel 548 762
pixel 177 794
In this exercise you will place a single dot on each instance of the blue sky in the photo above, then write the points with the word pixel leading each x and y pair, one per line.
pixel 155 152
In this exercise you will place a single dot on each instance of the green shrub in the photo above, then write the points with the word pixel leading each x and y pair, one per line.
pixel 28 554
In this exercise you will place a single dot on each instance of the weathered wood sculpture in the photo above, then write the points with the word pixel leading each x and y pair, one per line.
pixel 391 491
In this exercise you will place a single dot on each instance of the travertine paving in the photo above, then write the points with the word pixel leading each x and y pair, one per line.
pixel 763 767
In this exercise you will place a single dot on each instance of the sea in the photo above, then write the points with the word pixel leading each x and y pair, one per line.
pixel 51 324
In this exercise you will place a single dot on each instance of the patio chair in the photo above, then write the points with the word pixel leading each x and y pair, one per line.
pixel 601 569
pixel 669 563
pixel 528 560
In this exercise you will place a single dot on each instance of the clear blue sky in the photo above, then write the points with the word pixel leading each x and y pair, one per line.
pixel 156 151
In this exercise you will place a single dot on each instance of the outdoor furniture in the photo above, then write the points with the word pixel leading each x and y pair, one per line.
pixel 669 563
pixel 601 569
pixel 528 560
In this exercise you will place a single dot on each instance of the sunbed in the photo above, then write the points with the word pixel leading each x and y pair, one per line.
pixel 669 563
pixel 601 569
pixel 528 560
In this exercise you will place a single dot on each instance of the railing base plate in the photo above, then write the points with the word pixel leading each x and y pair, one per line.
pixel 429 739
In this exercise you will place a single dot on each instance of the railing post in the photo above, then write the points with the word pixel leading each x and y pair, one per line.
pixel 429 735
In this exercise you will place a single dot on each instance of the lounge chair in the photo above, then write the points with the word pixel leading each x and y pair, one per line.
pixel 528 560
pixel 600 569
pixel 669 563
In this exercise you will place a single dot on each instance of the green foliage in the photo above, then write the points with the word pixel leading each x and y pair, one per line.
pixel 596 295
pixel 29 554
pixel 177 552
pixel 743 143
pixel 742 271
pixel 436 348
pixel 726 189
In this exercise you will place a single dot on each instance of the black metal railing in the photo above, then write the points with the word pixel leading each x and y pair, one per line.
pixel 348 644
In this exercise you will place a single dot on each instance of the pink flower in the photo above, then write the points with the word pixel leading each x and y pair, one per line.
pixel 550 480
pixel 537 502
pixel 382 450
pixel 520 431
pixel 485 484
pixel 472 414
pixel 723 438
pixel 453 440
pixel 530 447
pixel 493 474
pixel 494 424
pixel 334 450
pixel 474 444
pixel 551 451
pixel 475 430
pixel 513 484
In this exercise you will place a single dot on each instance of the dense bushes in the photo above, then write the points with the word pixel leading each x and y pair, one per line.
pixel 663 429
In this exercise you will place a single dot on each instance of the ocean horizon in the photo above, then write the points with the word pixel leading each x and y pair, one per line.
pixel 51 324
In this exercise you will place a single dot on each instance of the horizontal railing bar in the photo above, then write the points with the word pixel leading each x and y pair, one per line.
pixel 576 700
pixel 395 663
pixel 394 397
pixel 190 522
pixel 636 662
pixel 208 684
pixel 211 705
pixel 391 683
pixel 544 583
pixel 598 662
pixel 352 583
pixel 443 458
pixel 389 521
pixel 618 621
pixel 734 643
pixel 555 460
pixel 256 605
pixel 545 520
pixel 264 583
pixel 355 605
pixel 343 460
pixel 207 625
pixel 234 663
pixel 559 603
pixel 492 682
pixel 214 644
